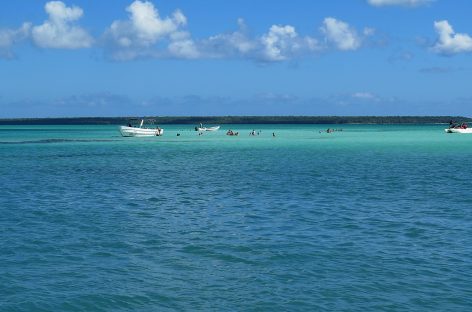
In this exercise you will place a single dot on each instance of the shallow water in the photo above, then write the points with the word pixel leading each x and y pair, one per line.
pixel 371 218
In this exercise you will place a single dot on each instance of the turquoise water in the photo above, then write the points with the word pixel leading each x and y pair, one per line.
pixel 373 218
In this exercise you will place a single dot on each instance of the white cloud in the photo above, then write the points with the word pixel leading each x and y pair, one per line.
pixel 146 34
pixel 364 96
pixel 145 27
pixel 450 42
pixel 8 37
pixel 59 31
pixel 341 34
pixel 409 3
pixel 182 46
pixel 283 42
pixel 237 43
pixel 279 42
pixel 145 31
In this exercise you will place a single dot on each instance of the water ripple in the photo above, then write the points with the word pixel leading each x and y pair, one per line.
pixel 349 223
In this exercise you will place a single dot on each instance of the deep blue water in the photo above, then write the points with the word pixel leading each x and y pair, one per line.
pixel 373 218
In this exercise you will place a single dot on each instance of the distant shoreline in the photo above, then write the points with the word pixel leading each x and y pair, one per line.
pixel 239 120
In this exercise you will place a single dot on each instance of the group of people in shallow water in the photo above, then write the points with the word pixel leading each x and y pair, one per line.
pixel 455 125
pixel 231 132
pixel 329 130
pixel 252 133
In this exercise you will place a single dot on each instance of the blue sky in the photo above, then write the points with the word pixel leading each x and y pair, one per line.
pixel 338 57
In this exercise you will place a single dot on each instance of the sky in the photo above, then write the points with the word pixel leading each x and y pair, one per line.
pixel 84 58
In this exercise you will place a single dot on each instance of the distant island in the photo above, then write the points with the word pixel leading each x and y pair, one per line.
pixel 239 120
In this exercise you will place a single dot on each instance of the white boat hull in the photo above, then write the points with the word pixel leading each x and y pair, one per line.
pixel 208 129
pixel 453 130
pixel 140 132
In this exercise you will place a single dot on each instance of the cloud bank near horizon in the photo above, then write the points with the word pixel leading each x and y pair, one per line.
pixel 269 104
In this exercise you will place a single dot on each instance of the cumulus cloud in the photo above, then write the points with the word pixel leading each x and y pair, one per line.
pixel 59 30
pixel 8 37
pixel 408 3
pixel 283 42
pixel 145 33
pixel 343 36
pixel 145 28
pixel 279 43
pixel 230 44
pixel 450 42
pixel 182 46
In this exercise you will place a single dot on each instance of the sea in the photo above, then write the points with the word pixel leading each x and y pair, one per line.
pixel 365 218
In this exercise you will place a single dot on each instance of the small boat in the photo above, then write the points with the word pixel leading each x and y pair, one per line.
pixel 202 128
pixel 458 130
pixel 131 131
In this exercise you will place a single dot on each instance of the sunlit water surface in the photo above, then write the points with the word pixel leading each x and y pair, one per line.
pixel 366 219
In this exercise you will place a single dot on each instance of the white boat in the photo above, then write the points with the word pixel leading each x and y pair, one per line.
pixel 201 129
pixel 130 131
pixel 458 130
